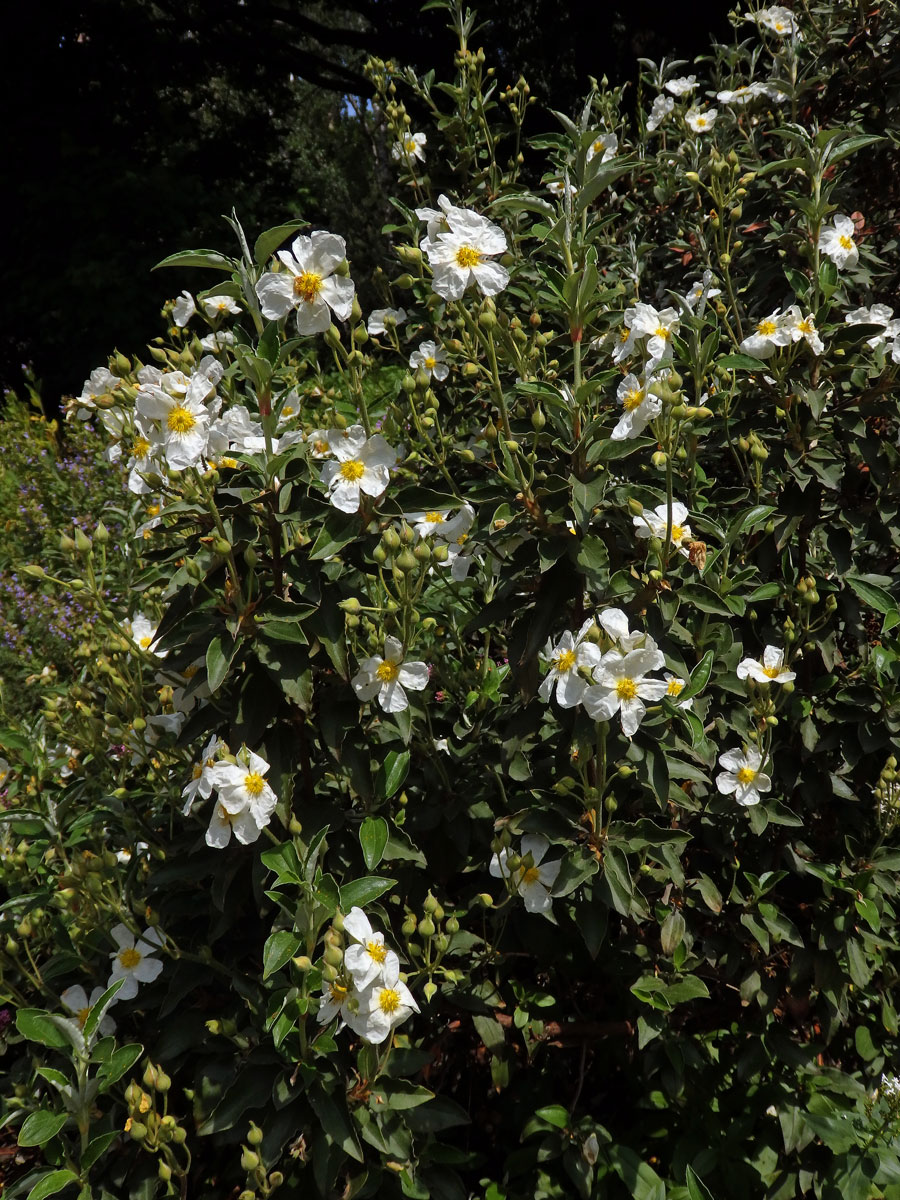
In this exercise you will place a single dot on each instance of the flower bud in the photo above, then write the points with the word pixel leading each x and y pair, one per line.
pixel 82 542
pixel 137 1131
pixel 487 320
pixel 276 1179
pixel 409 255
pixel 659 458
pixel 406 561
pixel 249 1160
pixel 221 546
pixel 404 282
pixel 255 1134
pixel 164 1171
pixel 426 927
pixel 485 900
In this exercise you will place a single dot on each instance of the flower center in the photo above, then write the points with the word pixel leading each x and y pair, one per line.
pixel 321 447
pixel 624 333
pixel 129 958
pixel 772 672
pixel 141 447
pixel 675 688
pixel 180 420
pixel 352 470
pixel 531 875
pixel 846 243
pixel 388 671
pixel 145 642
pixel 626 689
pixel 338 992
pixel 434 518
pixel 254 783
pixel 468 256
pixel 377 951
pixel 806 326
pixel 701 122
pixel 307 286
pixel 197 771
pixel 389 1001
pixel 82 1015
pixel 633 399
pixel 410 145
pixel 430 363
pixel 565 661
pixel 767 328
pixel 663 333
pixel 677 533
pixel 746 775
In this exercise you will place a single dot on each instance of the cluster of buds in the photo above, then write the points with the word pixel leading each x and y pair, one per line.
pixel 259 1181
pixel 153 1127
pixel 428 938
pixel 887 794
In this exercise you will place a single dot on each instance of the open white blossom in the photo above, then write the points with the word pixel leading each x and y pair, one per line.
pixel 604 144
pixel 533 883
pixel 770 335
pixel 309 284
pixel 378 316
pixel 245 802
pixel 183 309
pixel 431 359
pixel 621 687
pixel 133 961
pixel 177 422
pixel 219 306
pixel 662 107
pixel 76 1000
pixel 435 218
pixel 836 240
pixel 383 1005
pixel 878 314
pixel 215 343
pixel 777 19
pixel 701 120
pixel 654 523
pixel 742 776
pixel 682 85
pixel 567 658
pixel 702 291
pixel 363 465
pixel 143 633
pixel 442 522
pixel 100 383
pixel 657 327
pixel 411 146
pixel 201 783
pixel 339 999
pixel 368 958
pixel 463 256
pixel 802 327
pixel 638 406
pixel 387 677
pixel 675 685
pixel 771 669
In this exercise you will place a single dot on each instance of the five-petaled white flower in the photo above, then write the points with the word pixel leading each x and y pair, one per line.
pixel 430 358
pixel 134 961
pixel 770 335
pixel 463 256
pixel 701 292
pixel 662 106
pixel 183 309
pixel 411 145
pixel 75 999
pixel 567 658
pixel 245 802
pixel 368 957
pixel 621 687
pixel 701 120
pixel 309 284
pixel 387 677
pixel 143 633
pixel 675 685
pixel 657 327
pixel 777 19
pixel 363 465
pixel 533 883
pixel 836 240
pixel 177 422
pixel 219 306
pixel 604 144
pixel 380 319
pixel 878 314
pixel 653 524
pixel 639 407
pixel 682 85
pixel 440 522
pixel 382 1005
pixel 799 327
pixel 771 669
pixel 742 776
pixel 201 782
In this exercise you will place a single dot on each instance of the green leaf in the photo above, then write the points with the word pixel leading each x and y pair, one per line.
pixel 118 1063
pixel 741 362
pixel 97 1146
pixel 39 1127
pixel 49 1185
pixel 391 775
pixel 361 892
pixel 699 676
pixel 219 654
pixel 38 1026
pixel 278 949
pixel 199 258
pixel 267 243
pixel 98 1009
pixel 373 836
pixel 705 599
pixel 870 593
pixel 697 1189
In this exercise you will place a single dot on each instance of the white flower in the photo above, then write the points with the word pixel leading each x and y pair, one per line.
pixel 777 19
pixel 143 633
pixel 770 670
pixel 535 883
pixel 463 256
pixel 387 677
pixel 570 655
pixel 100 383
pixel 742 776
pixel 201 783
pixel 837 242
pixel 245 801
pixel 430 358
pixel 219 306
pixel 216 342
pixel 701 121
pixel 383 1005
pixel 180 421
pixel 701 292
pixel 653 524
pixel 559 187
pixel 368 958
pixel 890 1087
pixel 770 335
pixel 75 999
pixel 339 999
pixel 681 86
pixel 134 961
pixel 317 440
pixel 799 327
pixel 604 144
pixel 412 146
pixel 675 685
pixel 4 771
pixel 624 338
pixel 639 407
pixel 657 327
pixel 440 522
pixel 363 465
pixel 435 218
pixel 309 284
pixel 662 106
pixel 878 314
pixel 376 322
pixel 183 309
pixel 621 687
pixel 739 95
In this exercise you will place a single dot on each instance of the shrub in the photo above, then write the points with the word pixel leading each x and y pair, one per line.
pixel 491 788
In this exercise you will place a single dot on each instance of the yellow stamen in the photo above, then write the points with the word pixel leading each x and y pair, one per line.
pixel 468 256
pixel 531 875
pixel 430 363
pixel 140 448
pixel 388 1001
pixel 633 399
pixel 307 286
pixel 377 951
pixel 845 242
pixel 180 420
pixel 434 518
pixel 767 328
pixel 626 689
pixel 746 775
pixel 254 783
pixel 772 672
pixel 564 661
pixel 352 470
pixel 677 533
pixel 675 688
pixel 663 333
pixel 129 958
pixel 806 325
pixel 388 671
pixel 82 1015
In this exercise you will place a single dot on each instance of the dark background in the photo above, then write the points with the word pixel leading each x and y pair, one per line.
pixel 130 126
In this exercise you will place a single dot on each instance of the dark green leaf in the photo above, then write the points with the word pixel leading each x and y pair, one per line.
pixel 278 949
pixel 39 1127
pixel 373 836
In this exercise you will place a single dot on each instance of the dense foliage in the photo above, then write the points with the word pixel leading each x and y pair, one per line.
pixel 480 780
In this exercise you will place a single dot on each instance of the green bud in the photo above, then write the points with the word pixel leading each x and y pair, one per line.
pixel 426 927
pixel 82 542
pixel 452 925
pixel 276 1179
pixel 538 420
pixel 487 320
pixel 404 282
pixel 430 903
pixel 406 561
pixel 66 544
pixel 255 1134
pixel 350 605
pixel 101 533
pixel 249 1160
pixel 422 552
pixel 251 558
pixel 163 1170
pixel 485 900
pixel 221 546
pixel 137 1131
